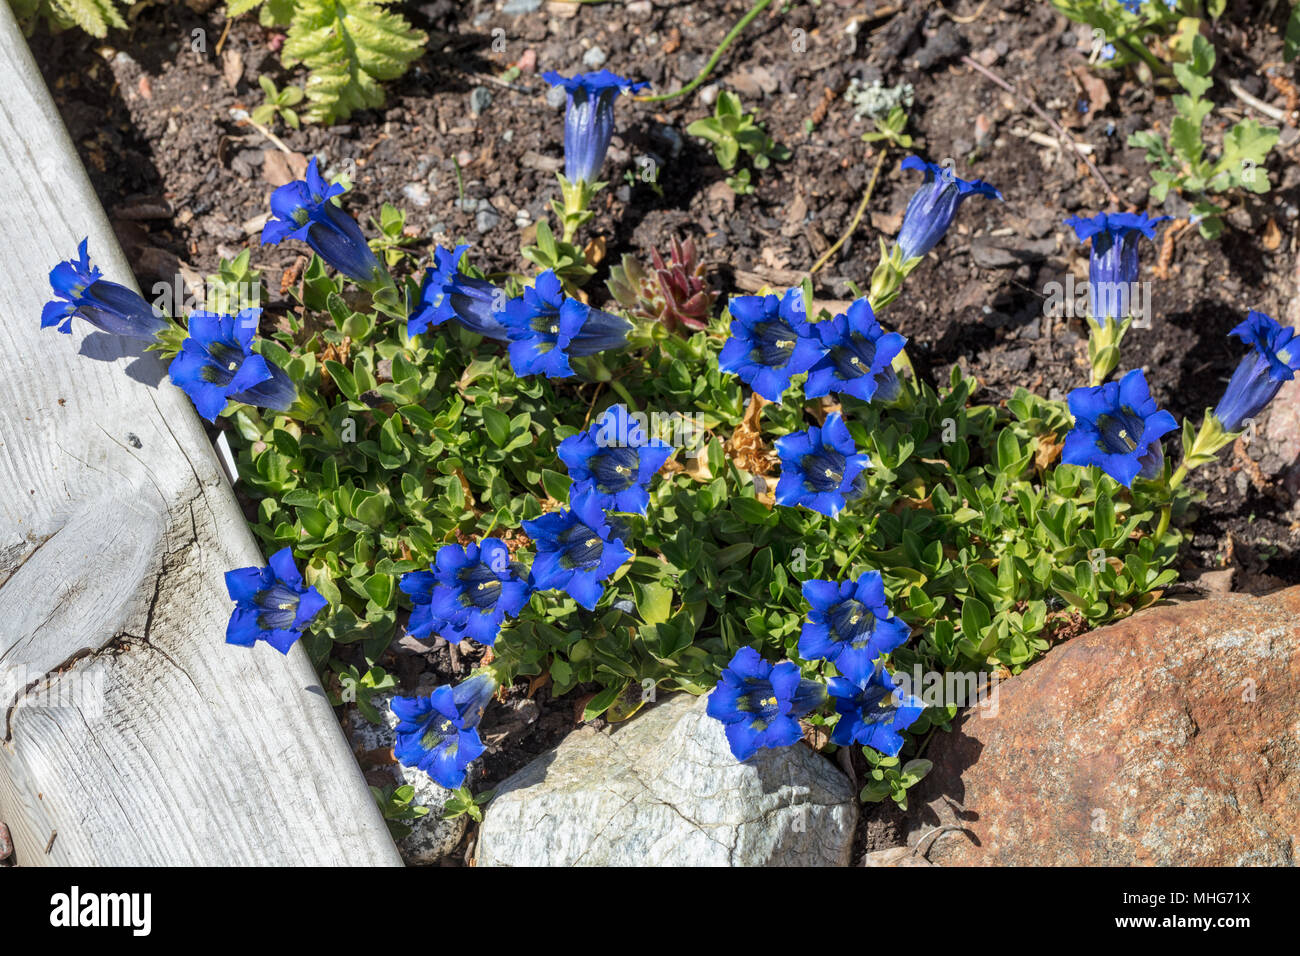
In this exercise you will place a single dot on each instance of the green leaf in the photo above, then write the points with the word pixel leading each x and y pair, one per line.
pixel 497 424
pixel 343 379
pixel 556 484
pixel 380 588
pixel 349 46
pixel 602 701
pixel 654 602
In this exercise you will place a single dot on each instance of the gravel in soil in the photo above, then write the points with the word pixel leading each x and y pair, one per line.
pixel 473 158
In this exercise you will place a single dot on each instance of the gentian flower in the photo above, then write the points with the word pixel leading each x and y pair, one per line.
pixel 589 119
pixel 217 365
pixel 1113 263
pixel 858 357
pixel 771 341
pixel 547 328
pixel 438 734
pixel 473 694
pixel 576 549
pixel 760 703
pixel 477 586
pixel 1118 428
pixel 271 603
pixel 850 625
pixel 1275 359
pixel 933 207
pixel 419 587
pixel 872 712
pixel 109 307
pixel 447 293
pixel 302 210
pixel 616 459
pixel 819 466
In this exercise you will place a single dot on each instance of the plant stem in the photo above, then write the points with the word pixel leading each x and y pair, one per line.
pixel 624 394
pixel 1163 526
pixel 739 28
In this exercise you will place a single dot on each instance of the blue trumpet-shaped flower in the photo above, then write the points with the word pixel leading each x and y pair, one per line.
pixel 547 328
pixel 476 587
pixel 858 357
pixel 771 342
pixel 217 365
pixel 617 459
pixel 1274 359
pixel 271 603
pixel 576 549
pixel 933 207
pixel 447 293
pixel 109 307
pixel 589 119
pixel 872 712
pixel 438 733
pixel 819 467
pixel 760 703
pixel 473 694
pixel 1118 428
pixel 1113 266
pixel 850 625
pixel 303 210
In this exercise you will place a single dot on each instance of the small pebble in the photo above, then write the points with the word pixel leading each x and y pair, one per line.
pixel 556 97
pixel 480 98
pixel 517 8
pixel 486 219
pixel 594 58
pixel 416 194
pixel 709 94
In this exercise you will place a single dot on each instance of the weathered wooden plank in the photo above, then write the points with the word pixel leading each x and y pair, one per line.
pixel 146 739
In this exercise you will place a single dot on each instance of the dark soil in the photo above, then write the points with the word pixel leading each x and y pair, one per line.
pixel 186 183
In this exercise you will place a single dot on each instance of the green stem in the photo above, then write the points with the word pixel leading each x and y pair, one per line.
pixel 1165 513
pixel 1149 58
pixel 624 394
pixel 739 28
pixel 1178 477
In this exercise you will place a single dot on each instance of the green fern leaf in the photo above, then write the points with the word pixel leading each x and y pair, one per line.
pixel 93 16
pixel 348 46
pixel 237 7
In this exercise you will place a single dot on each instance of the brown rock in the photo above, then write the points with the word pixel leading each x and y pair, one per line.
pixel 1172 738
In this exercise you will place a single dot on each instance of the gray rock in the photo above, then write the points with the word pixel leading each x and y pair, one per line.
pixel 417 194
pixel 556 97
pixel 480 98
pixel 486 218
pixel 432 838
pixel 594 58
pixel 664 790
pixel 517 8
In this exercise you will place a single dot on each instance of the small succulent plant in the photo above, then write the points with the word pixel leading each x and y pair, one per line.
pixel 674 293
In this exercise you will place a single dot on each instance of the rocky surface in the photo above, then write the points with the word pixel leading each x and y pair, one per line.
pixel 432 839
pixel 1172 738
pixel 664 790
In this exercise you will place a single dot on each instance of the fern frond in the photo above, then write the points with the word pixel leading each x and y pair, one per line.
pixel 348 46
pixel 93 16
pixel 236 8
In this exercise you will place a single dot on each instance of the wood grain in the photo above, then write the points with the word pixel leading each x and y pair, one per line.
pixel 132 734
